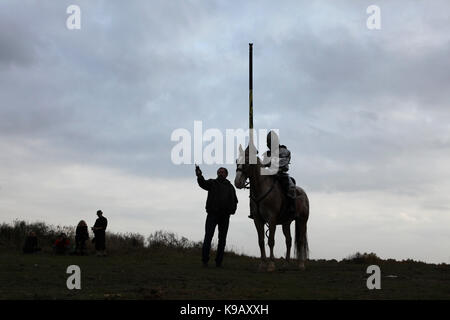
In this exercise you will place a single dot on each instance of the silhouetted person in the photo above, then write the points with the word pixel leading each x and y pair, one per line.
pixel 280 157
pixel 31 243
pixel 81 236
pixel 62 244
pixel 220 204
pixel 99 232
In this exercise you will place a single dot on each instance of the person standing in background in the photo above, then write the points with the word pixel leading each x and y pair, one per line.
pixel 81 236
pixel 99 230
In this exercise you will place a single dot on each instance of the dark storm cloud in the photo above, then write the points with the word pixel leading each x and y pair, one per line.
pixel 112 92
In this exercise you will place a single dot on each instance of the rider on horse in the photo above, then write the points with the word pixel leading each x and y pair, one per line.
pixel 280 158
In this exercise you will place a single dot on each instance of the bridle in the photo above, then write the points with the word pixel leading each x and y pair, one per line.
pixel 246 183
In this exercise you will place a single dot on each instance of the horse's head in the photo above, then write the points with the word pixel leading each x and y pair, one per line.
pixel 243 164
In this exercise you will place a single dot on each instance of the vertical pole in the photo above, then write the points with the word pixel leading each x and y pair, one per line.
pixel 250 100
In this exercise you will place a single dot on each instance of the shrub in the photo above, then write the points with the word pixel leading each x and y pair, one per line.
pixel 162 239
pixel 12 236
pixel 124 242
pixel 363 258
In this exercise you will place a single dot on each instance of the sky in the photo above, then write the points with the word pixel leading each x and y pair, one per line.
pixel 86 116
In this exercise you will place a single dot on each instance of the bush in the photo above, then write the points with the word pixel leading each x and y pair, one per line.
pixel 363 258
pixel 12 236
pixel 124 242
pixel 162 239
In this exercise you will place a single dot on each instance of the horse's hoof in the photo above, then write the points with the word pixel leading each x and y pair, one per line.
pixel 285 262
pixel 271 266
pixel 262 266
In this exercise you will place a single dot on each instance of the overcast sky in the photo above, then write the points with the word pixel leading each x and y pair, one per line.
pixel 86 115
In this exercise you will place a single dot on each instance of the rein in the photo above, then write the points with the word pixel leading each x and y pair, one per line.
pixel 257 201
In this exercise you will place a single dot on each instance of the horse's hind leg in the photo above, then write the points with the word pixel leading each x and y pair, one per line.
pixel 271 242
pixel 287 235
pixel 301 242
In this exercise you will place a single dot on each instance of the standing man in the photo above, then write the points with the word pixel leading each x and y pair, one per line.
pixel 99 233
pixel 220 204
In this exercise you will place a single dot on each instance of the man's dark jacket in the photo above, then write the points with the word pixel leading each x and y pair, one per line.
pixel 222 198
pixel 101 222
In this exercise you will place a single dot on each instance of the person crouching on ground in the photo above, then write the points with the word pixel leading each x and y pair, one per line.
pixel 62 244
pixel 31 243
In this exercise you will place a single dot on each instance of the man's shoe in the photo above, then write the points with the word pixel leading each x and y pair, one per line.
pixel 205 264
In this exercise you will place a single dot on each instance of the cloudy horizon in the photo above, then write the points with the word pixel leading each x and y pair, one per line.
pixel 86 116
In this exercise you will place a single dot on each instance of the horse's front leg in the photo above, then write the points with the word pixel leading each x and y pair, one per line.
pixel 260 229
pixel 272 228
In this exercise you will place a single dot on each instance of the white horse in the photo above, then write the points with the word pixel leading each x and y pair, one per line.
pixel 268 203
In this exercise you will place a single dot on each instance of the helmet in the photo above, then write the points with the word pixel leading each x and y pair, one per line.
pixel 272 135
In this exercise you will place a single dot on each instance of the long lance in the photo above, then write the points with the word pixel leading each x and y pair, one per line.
pixel 250 97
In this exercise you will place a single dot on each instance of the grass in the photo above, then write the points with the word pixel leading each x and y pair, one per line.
pixel 170 268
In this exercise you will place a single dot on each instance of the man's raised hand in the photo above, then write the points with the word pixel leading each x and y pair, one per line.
pixel 198 172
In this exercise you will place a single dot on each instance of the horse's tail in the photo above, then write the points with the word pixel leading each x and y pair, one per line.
pixel 301 237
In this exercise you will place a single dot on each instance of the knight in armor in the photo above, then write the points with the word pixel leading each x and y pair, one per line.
pixel 279 158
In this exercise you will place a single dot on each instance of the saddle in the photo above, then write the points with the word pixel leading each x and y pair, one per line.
pixel 285 215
